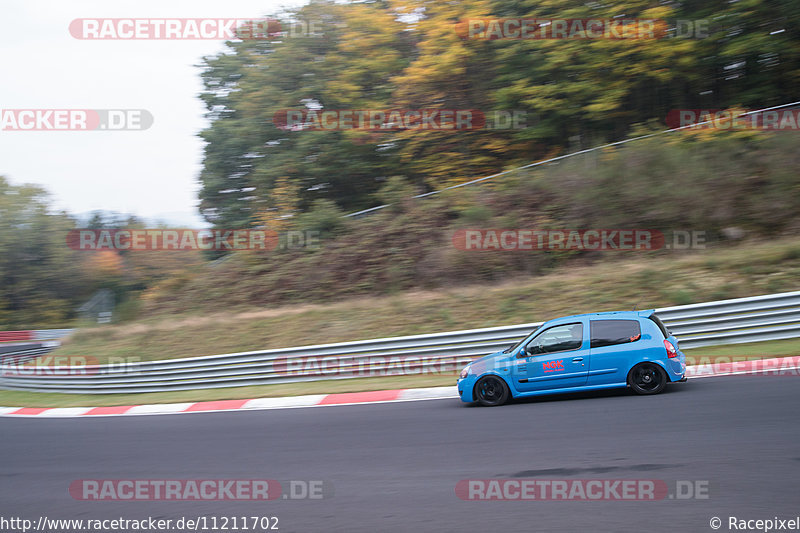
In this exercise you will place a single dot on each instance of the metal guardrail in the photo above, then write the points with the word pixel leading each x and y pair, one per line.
pixel 19 353
pixel 770 317
pixel 17 347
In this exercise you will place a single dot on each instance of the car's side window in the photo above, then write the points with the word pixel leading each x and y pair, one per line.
pixel 611 332
pixel 557 339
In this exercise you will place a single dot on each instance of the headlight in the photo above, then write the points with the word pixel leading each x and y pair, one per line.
pixel 465 372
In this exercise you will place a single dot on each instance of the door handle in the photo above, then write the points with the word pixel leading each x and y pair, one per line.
pixel 577 359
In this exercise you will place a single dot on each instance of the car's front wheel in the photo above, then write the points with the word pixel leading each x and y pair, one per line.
pixel 647 378
pixel 491 391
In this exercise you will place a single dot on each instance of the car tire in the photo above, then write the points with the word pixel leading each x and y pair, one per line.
pixel 647 378
pixel 491 391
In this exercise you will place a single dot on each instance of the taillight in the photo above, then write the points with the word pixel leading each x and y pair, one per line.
pixel 671 351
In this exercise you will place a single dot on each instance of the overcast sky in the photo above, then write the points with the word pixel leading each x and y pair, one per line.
pixel 151 173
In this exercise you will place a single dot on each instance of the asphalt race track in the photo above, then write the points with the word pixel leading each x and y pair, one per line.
pixel 394 467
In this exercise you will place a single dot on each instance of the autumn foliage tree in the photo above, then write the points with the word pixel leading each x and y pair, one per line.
pixel 409 54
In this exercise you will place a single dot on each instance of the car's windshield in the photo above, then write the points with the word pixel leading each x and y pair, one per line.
pixel 522 341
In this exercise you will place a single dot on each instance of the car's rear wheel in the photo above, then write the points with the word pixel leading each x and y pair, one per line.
pixel 647 378
pixel 491 391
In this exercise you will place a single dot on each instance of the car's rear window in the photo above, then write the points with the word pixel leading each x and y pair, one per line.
pixel 660 324
pixel 610 332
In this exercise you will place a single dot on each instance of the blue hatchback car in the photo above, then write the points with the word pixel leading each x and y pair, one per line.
pixel 579 353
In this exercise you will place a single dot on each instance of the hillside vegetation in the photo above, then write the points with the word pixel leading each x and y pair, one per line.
pixel 728 187
pixel 744 269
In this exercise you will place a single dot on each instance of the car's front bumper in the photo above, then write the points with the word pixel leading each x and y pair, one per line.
pixel 466 387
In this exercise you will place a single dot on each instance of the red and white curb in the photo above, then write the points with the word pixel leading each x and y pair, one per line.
pixel 776 366
pixel 289 402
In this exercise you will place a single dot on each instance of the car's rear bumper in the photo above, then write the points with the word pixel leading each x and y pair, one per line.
pixel 676 367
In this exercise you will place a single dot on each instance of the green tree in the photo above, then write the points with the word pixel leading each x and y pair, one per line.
pixel 40 276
